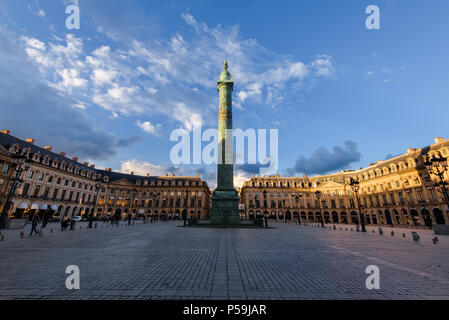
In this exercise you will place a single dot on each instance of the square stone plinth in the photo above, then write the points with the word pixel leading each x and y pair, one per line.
pixel 225 208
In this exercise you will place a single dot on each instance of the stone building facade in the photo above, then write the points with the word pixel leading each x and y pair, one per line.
pixel 6 172
pixel 398 192
pixel 67 187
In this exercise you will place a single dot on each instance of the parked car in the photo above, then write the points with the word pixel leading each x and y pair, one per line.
pixel 76 218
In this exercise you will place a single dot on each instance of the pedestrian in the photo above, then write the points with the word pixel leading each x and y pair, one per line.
pixel 34 222
pixel 130 216
pixel 184 217
pixel 45 219
pixel 64 224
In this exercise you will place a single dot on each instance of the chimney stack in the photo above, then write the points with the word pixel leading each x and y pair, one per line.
pixel 439 140
pixel 86 163
pixel 5 131
pixel 132 173
pixel 48 148
pixel 30 140
pixel 92 165
pixel 62 154
pixel 75 159
pixel 108 169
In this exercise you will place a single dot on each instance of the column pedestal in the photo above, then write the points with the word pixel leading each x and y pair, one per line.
pixel 225 208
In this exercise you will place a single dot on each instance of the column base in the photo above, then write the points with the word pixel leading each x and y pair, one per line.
pixel 225 208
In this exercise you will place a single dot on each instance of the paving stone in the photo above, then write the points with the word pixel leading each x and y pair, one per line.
pixel 161 261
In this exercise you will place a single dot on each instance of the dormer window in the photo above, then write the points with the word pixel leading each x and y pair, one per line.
pixel 25 152
pixel 36 157
pixel 14 149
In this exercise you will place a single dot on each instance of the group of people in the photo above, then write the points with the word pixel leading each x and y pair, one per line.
pixel 68 221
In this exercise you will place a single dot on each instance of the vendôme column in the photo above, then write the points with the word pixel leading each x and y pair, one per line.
pixel 225 200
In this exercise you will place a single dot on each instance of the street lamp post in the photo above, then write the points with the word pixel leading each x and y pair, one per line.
pixel 98 185
pixel 21 163
pixel 318 196
pixel 134 195
pixel 438 166
pixel 355 186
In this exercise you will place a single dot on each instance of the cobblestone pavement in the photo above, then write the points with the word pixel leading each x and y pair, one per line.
pixel 164 261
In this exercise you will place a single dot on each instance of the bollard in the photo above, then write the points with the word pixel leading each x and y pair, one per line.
pixel 392 233
pixel 352 229
pixel 415 236
pixel 22 234
pixel 51 230
pixel 374 231
pixel 95 225
pixel 381 232
pixel 403 235
pixel 2 238
pixel 335 228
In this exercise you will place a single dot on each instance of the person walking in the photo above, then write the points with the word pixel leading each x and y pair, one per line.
pixel 45 218
pixel 184 217
pixel 34 224
pixel 130 216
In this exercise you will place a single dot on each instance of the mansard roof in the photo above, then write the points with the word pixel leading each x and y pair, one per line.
pixel 7 141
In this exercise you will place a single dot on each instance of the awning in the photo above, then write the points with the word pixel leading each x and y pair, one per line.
pixel 43 206
pixel 22 205
pixel 34 206
pixel 54 207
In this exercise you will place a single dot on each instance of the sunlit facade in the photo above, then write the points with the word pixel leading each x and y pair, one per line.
pixel 397 192
pixel 67 187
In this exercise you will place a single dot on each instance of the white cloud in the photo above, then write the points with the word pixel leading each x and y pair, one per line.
pixel 148 127
pixel 101 76
pixel 70 78
pixel 240 177
pixel 172 77
pixel 143 168
pixel 188 118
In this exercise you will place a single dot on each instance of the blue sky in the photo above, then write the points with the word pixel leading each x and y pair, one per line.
pixel 112 92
